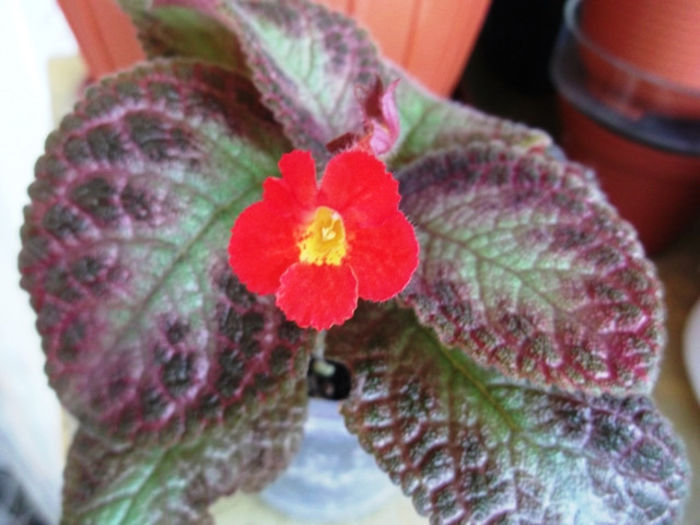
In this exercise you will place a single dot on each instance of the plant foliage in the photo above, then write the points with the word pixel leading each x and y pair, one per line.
pixel 506 384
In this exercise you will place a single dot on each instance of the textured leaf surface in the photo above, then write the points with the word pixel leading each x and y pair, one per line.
pixel 308 63
pixel 311 64
pixel 145 329
pixel 184 28
pixel 470 446
pixel 313 67
pixel 526 268
pixel 115 484
pixel 430 124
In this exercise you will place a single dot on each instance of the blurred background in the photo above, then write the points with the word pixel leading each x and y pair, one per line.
pixel 31 448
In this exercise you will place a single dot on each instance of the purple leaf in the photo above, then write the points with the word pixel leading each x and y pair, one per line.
pixel 119 483
pixel 471 446
pixel 146 331
pixel 526 268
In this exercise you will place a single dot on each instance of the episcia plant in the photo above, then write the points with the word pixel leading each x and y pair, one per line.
pixel 501 324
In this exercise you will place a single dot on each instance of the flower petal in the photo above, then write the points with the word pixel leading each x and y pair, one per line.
pixel 357 186
pixel 262 247
pixel 384 258
pixel 317 296
pixel 299 173
pixel 295 193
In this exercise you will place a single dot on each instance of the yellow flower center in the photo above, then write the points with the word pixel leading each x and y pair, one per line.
pixel 323 241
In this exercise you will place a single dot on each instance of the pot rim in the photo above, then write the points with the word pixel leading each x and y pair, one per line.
pixel 571 19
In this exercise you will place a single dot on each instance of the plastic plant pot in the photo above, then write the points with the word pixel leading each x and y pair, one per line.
pixel 647 156
pixel 627 64
pixel 331 478
pixel 660 38
pixel 691 348
pixel 657 191
pixel 104 33
pixel 431 40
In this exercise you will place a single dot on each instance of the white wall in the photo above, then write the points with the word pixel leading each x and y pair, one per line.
pixel 31 31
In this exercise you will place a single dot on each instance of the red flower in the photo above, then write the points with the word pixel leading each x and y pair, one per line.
pixel 320 247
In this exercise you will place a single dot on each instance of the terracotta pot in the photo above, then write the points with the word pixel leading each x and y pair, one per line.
pixel 645 52
pixel 657 191
pixel 106 38
pixel 431 39
pixel 658 37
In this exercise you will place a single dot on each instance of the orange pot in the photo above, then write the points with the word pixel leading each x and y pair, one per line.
pixel 431 39
pixel 106 38
pixel 643 53
pixel 657 191
pixel 659 37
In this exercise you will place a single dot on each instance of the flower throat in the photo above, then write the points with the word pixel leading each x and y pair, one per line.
pixel 323 241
